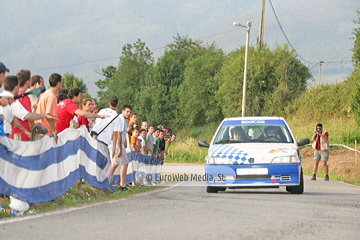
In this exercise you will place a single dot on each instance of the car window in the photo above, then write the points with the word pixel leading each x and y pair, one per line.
pixel 245 131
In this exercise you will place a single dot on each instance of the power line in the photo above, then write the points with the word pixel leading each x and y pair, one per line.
pixel 285 34
pixel 339 62
pixel 110 58
pixel 236 29
pixel 216 34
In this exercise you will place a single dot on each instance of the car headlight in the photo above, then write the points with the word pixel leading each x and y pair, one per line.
pixel 285 159
pixel 214 160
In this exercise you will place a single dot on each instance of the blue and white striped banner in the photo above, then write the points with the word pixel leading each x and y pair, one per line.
pixel 139 167
pixel 41 170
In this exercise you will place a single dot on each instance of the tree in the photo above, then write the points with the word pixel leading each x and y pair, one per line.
pixel 274 79
pixel 128 78
pixel 197 105
pixel 160 89
pixel 355 75
pixel 103 84
pixel 356 49
pixel 69 81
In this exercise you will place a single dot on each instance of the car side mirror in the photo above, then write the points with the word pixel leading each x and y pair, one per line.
pixel 203 143
pixel 303 142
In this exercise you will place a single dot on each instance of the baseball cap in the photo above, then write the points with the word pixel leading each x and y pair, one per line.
pixel 113 100
pixel 3 68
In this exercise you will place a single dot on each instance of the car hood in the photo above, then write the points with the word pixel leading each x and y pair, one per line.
pixel 252 153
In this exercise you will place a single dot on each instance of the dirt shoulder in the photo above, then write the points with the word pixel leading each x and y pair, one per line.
pixel 341 163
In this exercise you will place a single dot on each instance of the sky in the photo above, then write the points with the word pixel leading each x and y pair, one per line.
pixel 81 36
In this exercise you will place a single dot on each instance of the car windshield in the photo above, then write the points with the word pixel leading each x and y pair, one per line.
pixel 246 131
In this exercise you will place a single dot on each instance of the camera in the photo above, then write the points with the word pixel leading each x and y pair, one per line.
pixel 318 129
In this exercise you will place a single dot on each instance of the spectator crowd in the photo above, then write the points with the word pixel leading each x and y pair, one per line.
pixel 57 109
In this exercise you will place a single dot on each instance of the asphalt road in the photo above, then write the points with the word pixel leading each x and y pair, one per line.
pixel 326 210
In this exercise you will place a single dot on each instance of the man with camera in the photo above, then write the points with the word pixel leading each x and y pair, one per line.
pixel 320 138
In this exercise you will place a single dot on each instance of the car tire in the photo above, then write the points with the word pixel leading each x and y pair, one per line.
pixel 210 189
pixel 297 189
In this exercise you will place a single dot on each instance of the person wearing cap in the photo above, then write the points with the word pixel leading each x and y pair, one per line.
pixel 67 109
pixel 320 138
pixel 4 100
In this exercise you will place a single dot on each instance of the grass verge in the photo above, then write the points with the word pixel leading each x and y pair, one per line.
pixel 76 195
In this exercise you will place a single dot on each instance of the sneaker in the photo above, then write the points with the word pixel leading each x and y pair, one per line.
pixel 326 178
pixel 313 177
pixel 124 189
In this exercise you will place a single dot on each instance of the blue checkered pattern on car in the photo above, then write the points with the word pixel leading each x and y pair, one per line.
pixel 237 155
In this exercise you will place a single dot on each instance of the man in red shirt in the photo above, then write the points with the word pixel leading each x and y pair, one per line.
pixel 67 109
pixel 24 83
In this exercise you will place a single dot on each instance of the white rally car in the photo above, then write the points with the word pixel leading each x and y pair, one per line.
pixel 253 152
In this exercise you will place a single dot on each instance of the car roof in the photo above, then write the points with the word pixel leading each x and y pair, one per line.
pixel 254 118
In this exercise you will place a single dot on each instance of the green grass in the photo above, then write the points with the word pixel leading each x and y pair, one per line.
pixel 78 194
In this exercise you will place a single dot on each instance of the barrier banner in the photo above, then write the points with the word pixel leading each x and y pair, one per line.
pixel 41 170
pixel 139 167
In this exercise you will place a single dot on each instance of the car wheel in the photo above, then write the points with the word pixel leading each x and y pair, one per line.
pixel 210 189
pixel 297 189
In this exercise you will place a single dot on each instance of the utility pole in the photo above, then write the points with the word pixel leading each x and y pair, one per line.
pixel 236 24
pixel 319 71
pixel 245 69
pixel 261 31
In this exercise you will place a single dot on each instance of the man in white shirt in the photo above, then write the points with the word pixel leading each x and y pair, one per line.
pixel 4 101
pixel 106 128
pixel 16 109
pixel 109 131
pixel 121 151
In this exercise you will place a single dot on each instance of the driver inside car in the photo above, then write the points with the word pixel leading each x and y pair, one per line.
pixel 271 134
pixel 237 134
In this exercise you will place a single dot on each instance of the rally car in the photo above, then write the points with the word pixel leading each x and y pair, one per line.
pixel 258 152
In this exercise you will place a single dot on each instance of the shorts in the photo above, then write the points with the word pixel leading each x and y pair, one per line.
pixel 321 155
pixel 119 160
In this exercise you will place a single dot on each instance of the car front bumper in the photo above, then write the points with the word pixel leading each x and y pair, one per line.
pixel 253 175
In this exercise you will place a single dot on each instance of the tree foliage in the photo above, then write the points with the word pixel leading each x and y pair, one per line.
pixel 69 81
pixel 356 49
pixel 128 78
pixel 194 84
pixel 355 75
pixel 274 79
pixel 197 91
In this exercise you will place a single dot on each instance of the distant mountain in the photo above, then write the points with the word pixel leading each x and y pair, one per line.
pixel 80 36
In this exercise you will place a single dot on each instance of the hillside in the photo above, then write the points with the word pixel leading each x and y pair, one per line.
pixel 329 104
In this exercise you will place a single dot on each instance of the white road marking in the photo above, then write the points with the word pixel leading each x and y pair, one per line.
pixel 70 209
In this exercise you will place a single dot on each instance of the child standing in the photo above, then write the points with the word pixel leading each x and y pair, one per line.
pixel 133 141
pixel 141 138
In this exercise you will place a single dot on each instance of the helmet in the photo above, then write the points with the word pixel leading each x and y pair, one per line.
pixel 236 133
pixel 271 131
